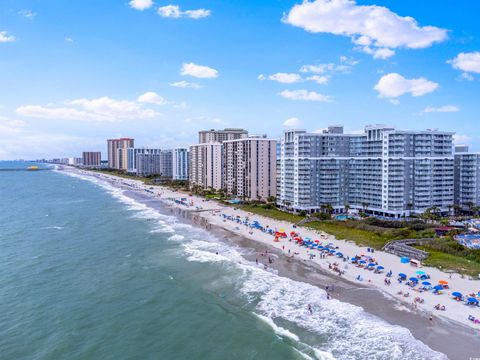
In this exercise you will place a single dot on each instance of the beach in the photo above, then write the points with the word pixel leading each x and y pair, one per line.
pixel 297 262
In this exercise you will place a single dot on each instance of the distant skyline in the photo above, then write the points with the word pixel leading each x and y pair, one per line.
pixel 75 73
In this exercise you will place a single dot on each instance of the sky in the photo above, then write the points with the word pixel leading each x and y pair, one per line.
pixel 75 73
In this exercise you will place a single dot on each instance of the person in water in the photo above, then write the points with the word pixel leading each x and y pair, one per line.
pixel 310 309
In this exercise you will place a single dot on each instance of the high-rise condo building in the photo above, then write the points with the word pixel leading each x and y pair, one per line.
pixel 180 164
pixel 467 178
pixel 117 158
pixel 249 168
pixel 205 165
pixel 208 136
pixel 382 171
pixel 92 159
pixel 132 157
pixel 154 163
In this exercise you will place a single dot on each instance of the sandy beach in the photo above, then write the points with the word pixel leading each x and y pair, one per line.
pixel 355 283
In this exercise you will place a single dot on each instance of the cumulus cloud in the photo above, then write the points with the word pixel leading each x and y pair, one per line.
pixel 151 98
pixel 468 63
pixel 373 29
pixel 319 79
pixel 29 14
pixel 292 122
pixel 394 85
pixel 305 95
pixel 284 78
pixel 103 109
pixel 198 71
pixel 441 109
pixel 174 11
pixel 461 139
pixel 141 4
pixel 185 84
pixel 6 37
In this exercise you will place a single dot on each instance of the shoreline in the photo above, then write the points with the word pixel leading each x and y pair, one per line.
pixel 439 336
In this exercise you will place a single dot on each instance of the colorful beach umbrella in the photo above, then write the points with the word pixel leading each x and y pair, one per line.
pixel 414 279
pixel 426 283
pixel 472 300
pixel 420 272
pixel 457 294
pixel 443 282
pixel 438 287
pixel 402 275
pixel 380 267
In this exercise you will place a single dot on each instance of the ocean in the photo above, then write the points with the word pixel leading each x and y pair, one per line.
pixel 91 271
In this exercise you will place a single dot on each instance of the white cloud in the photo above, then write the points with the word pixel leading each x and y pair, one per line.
pixel 204 119
pixel 151 98
pixel 103 109
pixel 305 95
pixel 198 71
pixel 318 69
pixel 461 139
pixel 292 122
pixel 173 11
pixel 141 4
pixel 29 14
pixel 344 67
pixel 5 37
pixel 185 84
pixel 441 109
pixel 394 85
pixel 284 78
pixel 468 63
pixel 319 79
pixel 375 29
pixel 467 77
pixel 69 40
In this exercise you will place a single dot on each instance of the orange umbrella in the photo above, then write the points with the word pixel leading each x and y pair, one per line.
pixel 443 282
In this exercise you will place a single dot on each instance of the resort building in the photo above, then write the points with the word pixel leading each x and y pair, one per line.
pixel 180 164
pixel 382 171
pixel 132 157
pixel 117 159
pixel 205 165
pixel 249 168
pixel 154 163
pixel 92 159
pixel 219 136
pixel 467 178
pixel 75 161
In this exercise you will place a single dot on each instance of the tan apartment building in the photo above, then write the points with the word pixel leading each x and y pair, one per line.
pixel 205 165
pixel 117 152
pixel 219 136
pixel 249 168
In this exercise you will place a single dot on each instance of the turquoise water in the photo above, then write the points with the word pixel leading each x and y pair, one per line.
pixel 89 271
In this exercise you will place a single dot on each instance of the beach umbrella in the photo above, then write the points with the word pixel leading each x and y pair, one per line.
pixel 371 264
pixel 380 267
pixel 457 294
pixel 420 272
pixel 414 279
pixel 339 254
pixel 402 275
pixel 443 282
pixel 426 283
pixel 333 251
pixel 362 262
pixel 317 241
pixel 438 287
pixel 472 300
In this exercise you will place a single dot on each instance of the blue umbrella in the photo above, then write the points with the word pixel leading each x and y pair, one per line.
pixel 380 268
pixel 333 251
pixel 420 272
pixel 402 275
pixel 339 254
pixel 371 264
pixel 426 283
pixel 438 287
pixel 362 262
pixel 457 294
pixel 472 300
pixel 413 279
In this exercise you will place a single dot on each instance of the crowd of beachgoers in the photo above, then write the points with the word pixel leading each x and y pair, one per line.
pixel 438 294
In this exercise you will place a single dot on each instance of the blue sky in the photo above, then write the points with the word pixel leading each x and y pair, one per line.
pixel 74 73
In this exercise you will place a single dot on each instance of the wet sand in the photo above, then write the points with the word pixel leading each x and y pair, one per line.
pixel 455 340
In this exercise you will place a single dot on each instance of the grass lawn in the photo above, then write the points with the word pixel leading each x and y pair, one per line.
pixel 342 232
pixel 445 261
pixel 271 213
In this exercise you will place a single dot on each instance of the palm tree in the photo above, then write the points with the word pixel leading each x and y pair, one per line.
pixel 347 207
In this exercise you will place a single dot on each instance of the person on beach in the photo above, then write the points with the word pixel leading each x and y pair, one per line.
pixel 310 309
